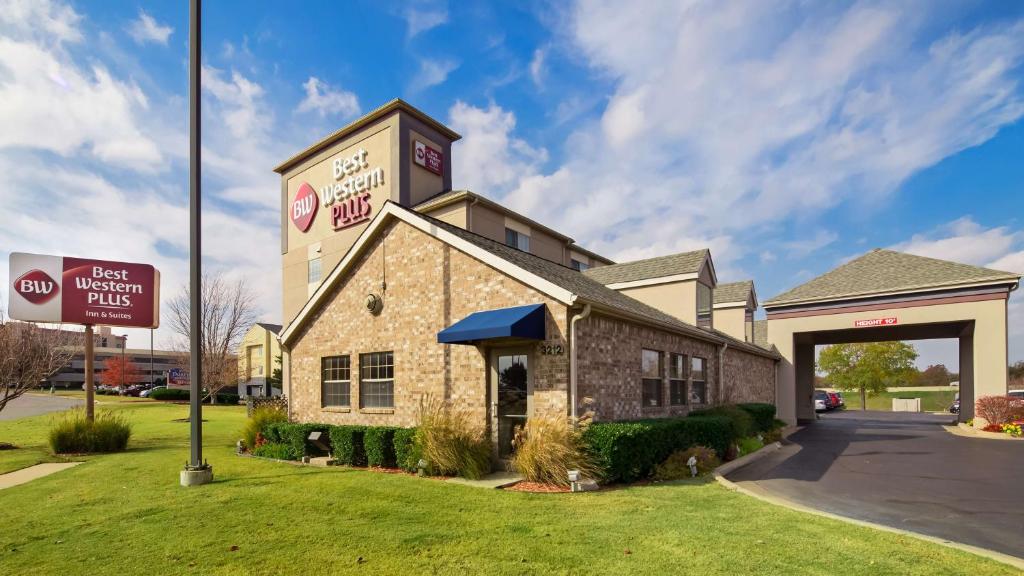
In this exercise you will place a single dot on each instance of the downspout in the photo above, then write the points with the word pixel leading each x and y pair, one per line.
pixel 574 362
pixel 469 214
pixel 721 369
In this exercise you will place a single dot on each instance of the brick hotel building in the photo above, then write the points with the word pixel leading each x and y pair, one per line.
pixel 396 287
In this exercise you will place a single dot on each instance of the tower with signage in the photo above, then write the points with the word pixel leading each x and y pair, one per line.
pixel 331 190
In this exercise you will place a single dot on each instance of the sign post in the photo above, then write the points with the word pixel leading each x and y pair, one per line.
pixel 90 406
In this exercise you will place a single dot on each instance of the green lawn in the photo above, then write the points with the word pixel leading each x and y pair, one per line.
pixel 125 514
pixel 935 401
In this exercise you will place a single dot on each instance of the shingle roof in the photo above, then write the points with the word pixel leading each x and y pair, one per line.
pixel 671 265
pixel 886 271
pixel 587 289
pixel 733 292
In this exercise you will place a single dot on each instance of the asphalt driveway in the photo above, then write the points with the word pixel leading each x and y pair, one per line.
pixel 35 404
pixel 902 470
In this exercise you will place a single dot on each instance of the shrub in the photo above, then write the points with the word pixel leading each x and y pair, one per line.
pixel 183 395
pixel 379 443
pixel 407 455
pixel 275 450
pixel 452 441
pixel 547 448
pixel 73 433
pixel 741 420
pixel 627 451
pixel 748 445
pixel 675 466
pixel 295 435
pixel 347 445
pixel 258 421
pixel 996 409
pixel 763 415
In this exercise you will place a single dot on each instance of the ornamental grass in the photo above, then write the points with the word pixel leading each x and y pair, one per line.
pixel 547 448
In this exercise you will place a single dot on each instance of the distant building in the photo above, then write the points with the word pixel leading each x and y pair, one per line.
pixel 108 345
pixel 257 358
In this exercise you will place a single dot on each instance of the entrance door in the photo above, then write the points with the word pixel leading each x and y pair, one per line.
pixel 510 393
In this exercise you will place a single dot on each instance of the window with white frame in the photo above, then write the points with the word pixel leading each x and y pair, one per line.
pixel 335 381
pixel 377 380
pixel 517 239
pixel 698 380
pixel 652 369
pixel 677 379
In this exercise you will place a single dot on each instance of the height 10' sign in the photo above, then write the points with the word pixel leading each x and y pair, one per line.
pixel 81 291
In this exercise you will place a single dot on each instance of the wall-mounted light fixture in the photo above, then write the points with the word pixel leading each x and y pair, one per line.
pixel 374 304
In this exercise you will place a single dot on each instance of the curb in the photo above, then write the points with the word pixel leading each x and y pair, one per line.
pixel 779 501
pixel 748 459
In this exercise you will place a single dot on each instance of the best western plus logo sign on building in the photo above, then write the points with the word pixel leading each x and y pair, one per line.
pixel 80 291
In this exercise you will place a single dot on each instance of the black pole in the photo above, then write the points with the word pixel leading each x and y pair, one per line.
pixel 150 357
pixel 195 237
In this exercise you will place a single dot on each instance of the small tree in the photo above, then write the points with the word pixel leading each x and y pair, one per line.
pixel 867 367
pixel 227 311
pixel 937 375
pixel 119 371
pixel 28 355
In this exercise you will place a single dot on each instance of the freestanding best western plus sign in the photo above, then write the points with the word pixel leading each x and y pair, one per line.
pixel 81 291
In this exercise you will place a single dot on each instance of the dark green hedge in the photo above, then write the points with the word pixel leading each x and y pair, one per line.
pixel 629 451
pixel 741 421
pixel 379 442
pixel 762 413
pixel 407 455
pixel 347 445
pixel 180 394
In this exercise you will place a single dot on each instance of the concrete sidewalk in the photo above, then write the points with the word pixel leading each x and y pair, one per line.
pixel 31 473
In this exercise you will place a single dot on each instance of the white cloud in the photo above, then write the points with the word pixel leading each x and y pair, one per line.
pixel 326 101
pixel 808 244
pixel 147 29
pixel 964 240
pixel 432 72
pixel 489 159
pixel 421 18
pixel 725 118
pixel 537 67
pixel 40 19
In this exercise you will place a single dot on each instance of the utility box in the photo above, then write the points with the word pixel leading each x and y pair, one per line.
pixel 906 404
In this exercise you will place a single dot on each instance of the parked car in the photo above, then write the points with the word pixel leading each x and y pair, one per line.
pixel 837 400
pixel 954 408
pixel 1019 394
pixel 822 402
pixel 146 393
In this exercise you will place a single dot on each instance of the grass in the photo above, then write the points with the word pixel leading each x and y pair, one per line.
pixel 126 514
pixel 938 401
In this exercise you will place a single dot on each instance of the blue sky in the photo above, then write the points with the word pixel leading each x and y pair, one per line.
pixel 786 136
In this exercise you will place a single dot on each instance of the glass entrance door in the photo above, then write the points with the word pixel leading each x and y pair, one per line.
pixel 511 398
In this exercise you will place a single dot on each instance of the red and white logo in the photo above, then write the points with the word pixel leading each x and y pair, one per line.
pixel 304 207
pixel 875 322
pixel 36 286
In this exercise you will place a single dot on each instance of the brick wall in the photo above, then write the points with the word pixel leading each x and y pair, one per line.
pixel 609 381
pixel 429 287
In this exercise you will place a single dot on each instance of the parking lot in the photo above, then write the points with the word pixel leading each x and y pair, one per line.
pixel 902 470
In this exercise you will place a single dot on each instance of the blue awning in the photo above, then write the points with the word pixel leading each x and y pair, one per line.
pixel 517 322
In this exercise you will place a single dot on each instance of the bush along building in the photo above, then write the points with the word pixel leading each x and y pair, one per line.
pixel 398 289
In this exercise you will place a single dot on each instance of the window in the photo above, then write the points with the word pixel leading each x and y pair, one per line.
pixel 313 271
pixel 577 265
pixel 677 379
pixel 255 361
pixel 377 380
pixel 698 381
pixel 335 381
pixel 652 370
pixel 704 300
pixel 517 239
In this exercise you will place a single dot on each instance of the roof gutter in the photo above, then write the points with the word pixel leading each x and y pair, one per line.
pixel 574 363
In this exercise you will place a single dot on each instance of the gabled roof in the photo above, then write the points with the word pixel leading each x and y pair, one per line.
pixel 559 282
pixel 733 292
pixel 274 328
pixel 680 265
pixel 887 272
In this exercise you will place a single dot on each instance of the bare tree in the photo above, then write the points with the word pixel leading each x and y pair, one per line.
pixel 228 309
pixel 28 355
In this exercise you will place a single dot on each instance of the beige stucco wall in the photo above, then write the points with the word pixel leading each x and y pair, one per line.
pixel 989 356
pixel 257 336
pixel 732 321
pixel 677 299
pixel 429 287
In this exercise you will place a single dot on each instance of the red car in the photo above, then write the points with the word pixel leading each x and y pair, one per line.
pixel 835 400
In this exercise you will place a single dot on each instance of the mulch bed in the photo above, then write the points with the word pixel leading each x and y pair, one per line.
pixel 537 488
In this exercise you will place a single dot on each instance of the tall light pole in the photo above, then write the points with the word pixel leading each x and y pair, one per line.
pixel 196 470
